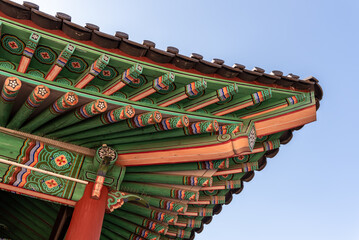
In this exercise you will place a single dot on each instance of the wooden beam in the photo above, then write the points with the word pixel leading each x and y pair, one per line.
pixel 36 97
pixel 92 71
pixel 187 91
pixel 60 62
pixel 211 98
pixel 126 78
pixel 28 52
pixel 156 85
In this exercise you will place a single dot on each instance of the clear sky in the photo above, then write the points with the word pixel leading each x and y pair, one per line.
pixel 310 189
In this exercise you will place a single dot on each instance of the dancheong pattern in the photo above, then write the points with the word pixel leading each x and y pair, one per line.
pixel 12 44
pixel 76 65
pixel 45 55
pixel 108 73
pixel 36 154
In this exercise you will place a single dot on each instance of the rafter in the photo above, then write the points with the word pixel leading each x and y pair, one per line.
pixel 156 85
pixel 28 52
pixel 211 98
pixel 92 71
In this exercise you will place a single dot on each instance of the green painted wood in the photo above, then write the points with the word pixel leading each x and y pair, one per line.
pixel 157 215
pixel 8 96
pixel 202 211
pixel 10 146
pixel 157 84
pixel 169 179
pixel 86 111
pixel 119 231
pixel 16 230
pixel 147 234
pixel 213 193
pixel 158 191
pixel 157 227
pixel 61 105
pixel 37 96
pixel 109 117
pixel 44 207
pixel 221 94
pixel 127 77
pixel 92 71
pixel 193 129
pixel 138 121
pixel 213 199
pixel 13 219
pixel 164 125
pixel 205 165
pixel 30 211
pixel 109 235
pixel 26 217
pixel 166 203
pixel 60 62
pixel 169 143
pixel 217 180
pixel 191 223
pixel 254 98
pixel 181 233
pixel 190 90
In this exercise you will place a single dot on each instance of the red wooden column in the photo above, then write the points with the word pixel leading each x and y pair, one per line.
pixel 86 221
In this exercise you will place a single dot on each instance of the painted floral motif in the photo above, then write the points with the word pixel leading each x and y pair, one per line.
pixel 12 44
pixel 61 160
pixel 76 65
pixel 38 155
pixel 51 183
pixel 45 55
pixel 108 73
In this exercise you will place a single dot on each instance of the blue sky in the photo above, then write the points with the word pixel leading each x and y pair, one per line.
pixel 310 189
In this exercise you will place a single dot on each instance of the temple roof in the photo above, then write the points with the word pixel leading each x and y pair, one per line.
pixel 190 132
pixel 119 43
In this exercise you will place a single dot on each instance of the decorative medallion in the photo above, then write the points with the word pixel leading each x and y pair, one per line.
pixel 65 81
pixel 8 65
pixel 76 64
pixel 105 151
pixel 101 105
pixel 12 44
pixel 61 160
pixel 36 154
pixel 108 73
pixel 13 83
pixel 51 183
pixel 45 55
pixel 36 73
